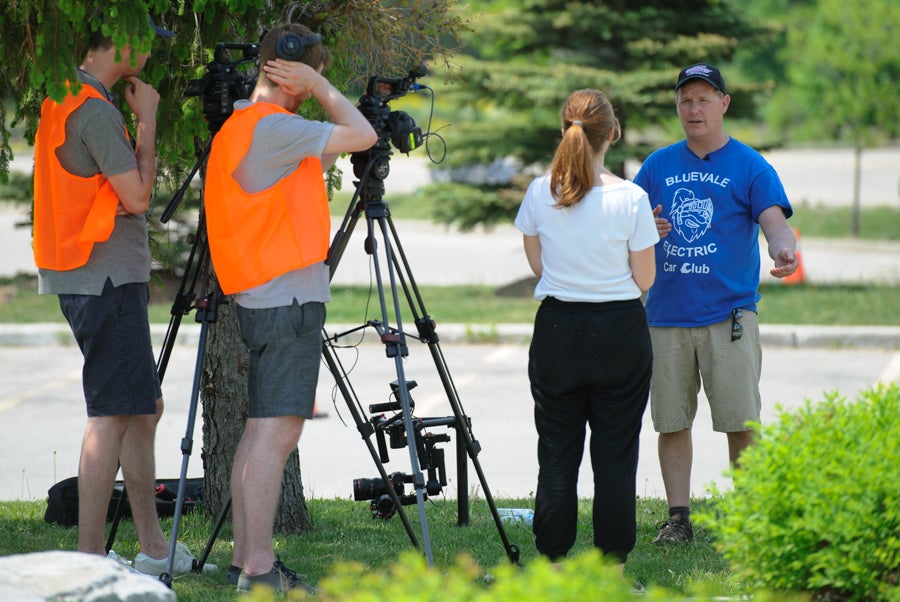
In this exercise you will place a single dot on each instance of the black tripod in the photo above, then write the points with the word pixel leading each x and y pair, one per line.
pixel 197 272
pixel 372 167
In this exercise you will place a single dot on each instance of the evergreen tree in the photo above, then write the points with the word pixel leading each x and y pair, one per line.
pixel 523 58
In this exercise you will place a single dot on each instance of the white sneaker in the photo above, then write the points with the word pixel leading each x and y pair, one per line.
pixel 183 564
pixel 123 561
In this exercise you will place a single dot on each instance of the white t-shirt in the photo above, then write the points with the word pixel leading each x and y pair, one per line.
pixel 585 247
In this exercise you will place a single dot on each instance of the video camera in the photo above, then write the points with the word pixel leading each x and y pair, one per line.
pixel 223 83
pixel 394 126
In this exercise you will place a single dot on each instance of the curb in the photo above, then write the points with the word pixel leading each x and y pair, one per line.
pixel 771 335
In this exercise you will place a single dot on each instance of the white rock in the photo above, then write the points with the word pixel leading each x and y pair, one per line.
pixel 74 576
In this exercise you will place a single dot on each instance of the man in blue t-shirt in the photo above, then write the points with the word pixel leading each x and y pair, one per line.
pixel 711 194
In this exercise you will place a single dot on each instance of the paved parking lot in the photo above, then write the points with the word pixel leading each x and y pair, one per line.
pixel 42 413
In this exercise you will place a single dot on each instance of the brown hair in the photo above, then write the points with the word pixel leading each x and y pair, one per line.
pixel 587 120
pixel 315 56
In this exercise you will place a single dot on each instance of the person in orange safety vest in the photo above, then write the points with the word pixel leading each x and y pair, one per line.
pixel 268 228
pixel 92 186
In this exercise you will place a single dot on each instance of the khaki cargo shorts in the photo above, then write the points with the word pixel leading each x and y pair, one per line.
pixel 685 358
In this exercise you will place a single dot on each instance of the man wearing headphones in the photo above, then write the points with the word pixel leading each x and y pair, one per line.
pixel 269 229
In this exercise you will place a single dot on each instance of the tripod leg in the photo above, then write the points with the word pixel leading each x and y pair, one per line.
pixel 396 347
pixel 186 448
pixel 114 527
pixel 212 536
pixel 428 335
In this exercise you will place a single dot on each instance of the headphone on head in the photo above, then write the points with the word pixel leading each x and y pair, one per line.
pixel 291 46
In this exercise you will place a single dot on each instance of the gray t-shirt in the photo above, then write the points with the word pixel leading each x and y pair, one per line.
pixel 96 143
pixel 280 143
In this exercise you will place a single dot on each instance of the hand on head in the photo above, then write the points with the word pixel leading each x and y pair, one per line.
pixel 293 77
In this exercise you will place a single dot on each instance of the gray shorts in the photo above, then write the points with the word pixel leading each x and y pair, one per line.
pixel 285 346
pixel 113 332
pixel 729 371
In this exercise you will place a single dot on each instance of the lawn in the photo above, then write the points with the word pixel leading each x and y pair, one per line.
pixel 344 530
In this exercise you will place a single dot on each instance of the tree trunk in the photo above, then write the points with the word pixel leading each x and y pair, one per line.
pixel 224 395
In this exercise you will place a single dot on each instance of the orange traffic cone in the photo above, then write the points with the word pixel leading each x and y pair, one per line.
pixel 799 276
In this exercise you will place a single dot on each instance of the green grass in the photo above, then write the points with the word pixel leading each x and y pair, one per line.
pixel 837 305
pixel 881 223
pixel 344 530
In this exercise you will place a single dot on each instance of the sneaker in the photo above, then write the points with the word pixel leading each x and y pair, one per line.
pixel 675 531
pixel 116 558
pixel 184 563
pixel 123 562
pixel 232 575
pixel 280 579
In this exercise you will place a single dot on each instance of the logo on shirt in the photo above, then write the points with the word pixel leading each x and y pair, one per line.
pixel 691 217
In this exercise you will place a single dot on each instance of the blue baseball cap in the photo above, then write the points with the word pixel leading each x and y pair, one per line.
pixel 707 73
pixel 160 31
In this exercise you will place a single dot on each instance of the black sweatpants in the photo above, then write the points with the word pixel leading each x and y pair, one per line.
pixel 589 363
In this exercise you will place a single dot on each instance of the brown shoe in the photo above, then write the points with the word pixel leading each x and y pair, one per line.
pixel 675 531
pixel 280 579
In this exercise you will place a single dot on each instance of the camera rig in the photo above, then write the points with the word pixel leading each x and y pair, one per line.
pixel 220 87
pixel 392 430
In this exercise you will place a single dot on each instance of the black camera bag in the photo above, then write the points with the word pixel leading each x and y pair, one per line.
pixel 62 500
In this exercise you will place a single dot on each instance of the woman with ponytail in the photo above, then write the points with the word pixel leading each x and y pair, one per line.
pixel 589 237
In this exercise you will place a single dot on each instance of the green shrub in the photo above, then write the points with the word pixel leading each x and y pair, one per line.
pixel 816 503
pixel 586 576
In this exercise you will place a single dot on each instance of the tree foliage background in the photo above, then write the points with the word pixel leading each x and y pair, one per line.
pixel 524 57
pixel 838 69
pixel 797 70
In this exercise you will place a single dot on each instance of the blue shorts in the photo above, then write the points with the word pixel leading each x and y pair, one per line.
pixel 285 346
pixel 113 332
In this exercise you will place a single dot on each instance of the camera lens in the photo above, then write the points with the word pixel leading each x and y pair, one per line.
pixel 368 489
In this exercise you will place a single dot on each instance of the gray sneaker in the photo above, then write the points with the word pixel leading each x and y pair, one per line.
pixel 183 564
pixel 233 574
pixel 280 579
pixel 675 531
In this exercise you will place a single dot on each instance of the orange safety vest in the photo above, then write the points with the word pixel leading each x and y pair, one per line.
pixel 71 212
pixel 256 237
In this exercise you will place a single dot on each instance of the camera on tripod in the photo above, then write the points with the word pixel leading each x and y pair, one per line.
pixel 223 83
pixel 394 126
